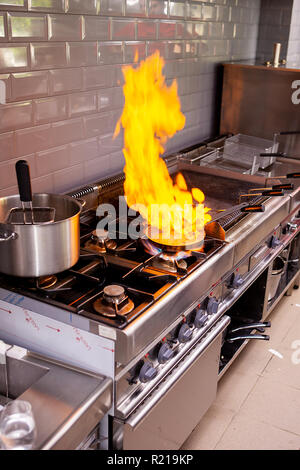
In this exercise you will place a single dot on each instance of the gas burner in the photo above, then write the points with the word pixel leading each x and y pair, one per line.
pixel 46 282
pixel 171 262
pixel 114 302
pixel 100 242
pixel 172 265
pixel 114 294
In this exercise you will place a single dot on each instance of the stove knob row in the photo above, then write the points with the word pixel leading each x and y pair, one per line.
pixel 236 281
pixel 147 372
pixel 275 242
pixel 165 354
pixel 200 319
pixel 185 333
pixel 212 305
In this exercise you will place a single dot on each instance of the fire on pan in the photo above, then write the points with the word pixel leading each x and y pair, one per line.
pixel 150 117
pixel 177 216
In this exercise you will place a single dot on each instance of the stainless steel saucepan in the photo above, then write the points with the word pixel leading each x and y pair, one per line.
pixel 39 249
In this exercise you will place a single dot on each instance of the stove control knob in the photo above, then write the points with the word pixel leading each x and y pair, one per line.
pixel 213 305
pixel 237 281
pixel 200 319
pixel 165 354
pixel 147 372
pixel 275 242
pixel 185 333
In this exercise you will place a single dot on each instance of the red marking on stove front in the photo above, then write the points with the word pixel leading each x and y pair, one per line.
pixel 108 349
pixel 55 329
pixel 30 320
pixel 80 339
pixel 7 311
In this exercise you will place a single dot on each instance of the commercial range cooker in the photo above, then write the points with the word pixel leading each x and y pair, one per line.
pixel 164 326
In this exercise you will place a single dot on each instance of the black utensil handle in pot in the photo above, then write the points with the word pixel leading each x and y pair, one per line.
pixel 24 182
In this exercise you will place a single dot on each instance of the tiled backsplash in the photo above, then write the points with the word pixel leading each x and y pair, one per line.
pixel 294 40
pixel 61 63
pixel 275 21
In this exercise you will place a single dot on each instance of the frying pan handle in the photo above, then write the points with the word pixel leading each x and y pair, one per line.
pixel 272 193
pixel 275 154
pixel 289 133
pixel 283 187
pixel 251 209
pixel 293 175
pixel 24 183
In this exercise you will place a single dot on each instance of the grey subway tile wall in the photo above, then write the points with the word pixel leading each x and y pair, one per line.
pixel 60 61
pixel 275 21
pixel 293 53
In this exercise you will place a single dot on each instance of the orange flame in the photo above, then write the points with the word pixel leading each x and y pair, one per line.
pixel 150 117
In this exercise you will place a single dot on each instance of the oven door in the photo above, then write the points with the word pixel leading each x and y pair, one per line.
pixel 167 417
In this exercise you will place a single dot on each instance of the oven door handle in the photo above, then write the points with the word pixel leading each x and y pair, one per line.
pixel 141 412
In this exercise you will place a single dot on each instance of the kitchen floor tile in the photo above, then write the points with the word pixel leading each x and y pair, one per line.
pixel 232 397
pixel 283 317
pixel 210 429
pixel 259 353
pixel 246 433
pixel 274 403
pixel 285 369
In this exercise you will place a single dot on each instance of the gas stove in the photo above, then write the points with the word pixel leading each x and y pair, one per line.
pixel 152 319
pixel 139 270
pixel 114 281
pixel 119 280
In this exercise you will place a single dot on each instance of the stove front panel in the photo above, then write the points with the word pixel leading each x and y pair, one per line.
pixel 45 335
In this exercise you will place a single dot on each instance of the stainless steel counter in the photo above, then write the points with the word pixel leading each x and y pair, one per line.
pixel 68 403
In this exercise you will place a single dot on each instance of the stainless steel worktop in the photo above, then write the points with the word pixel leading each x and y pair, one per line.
pixel 67 402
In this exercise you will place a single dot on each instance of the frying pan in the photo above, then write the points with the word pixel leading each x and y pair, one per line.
pixel 212 229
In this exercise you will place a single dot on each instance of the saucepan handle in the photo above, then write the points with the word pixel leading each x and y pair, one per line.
pixel 7 235
pixel 82 202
